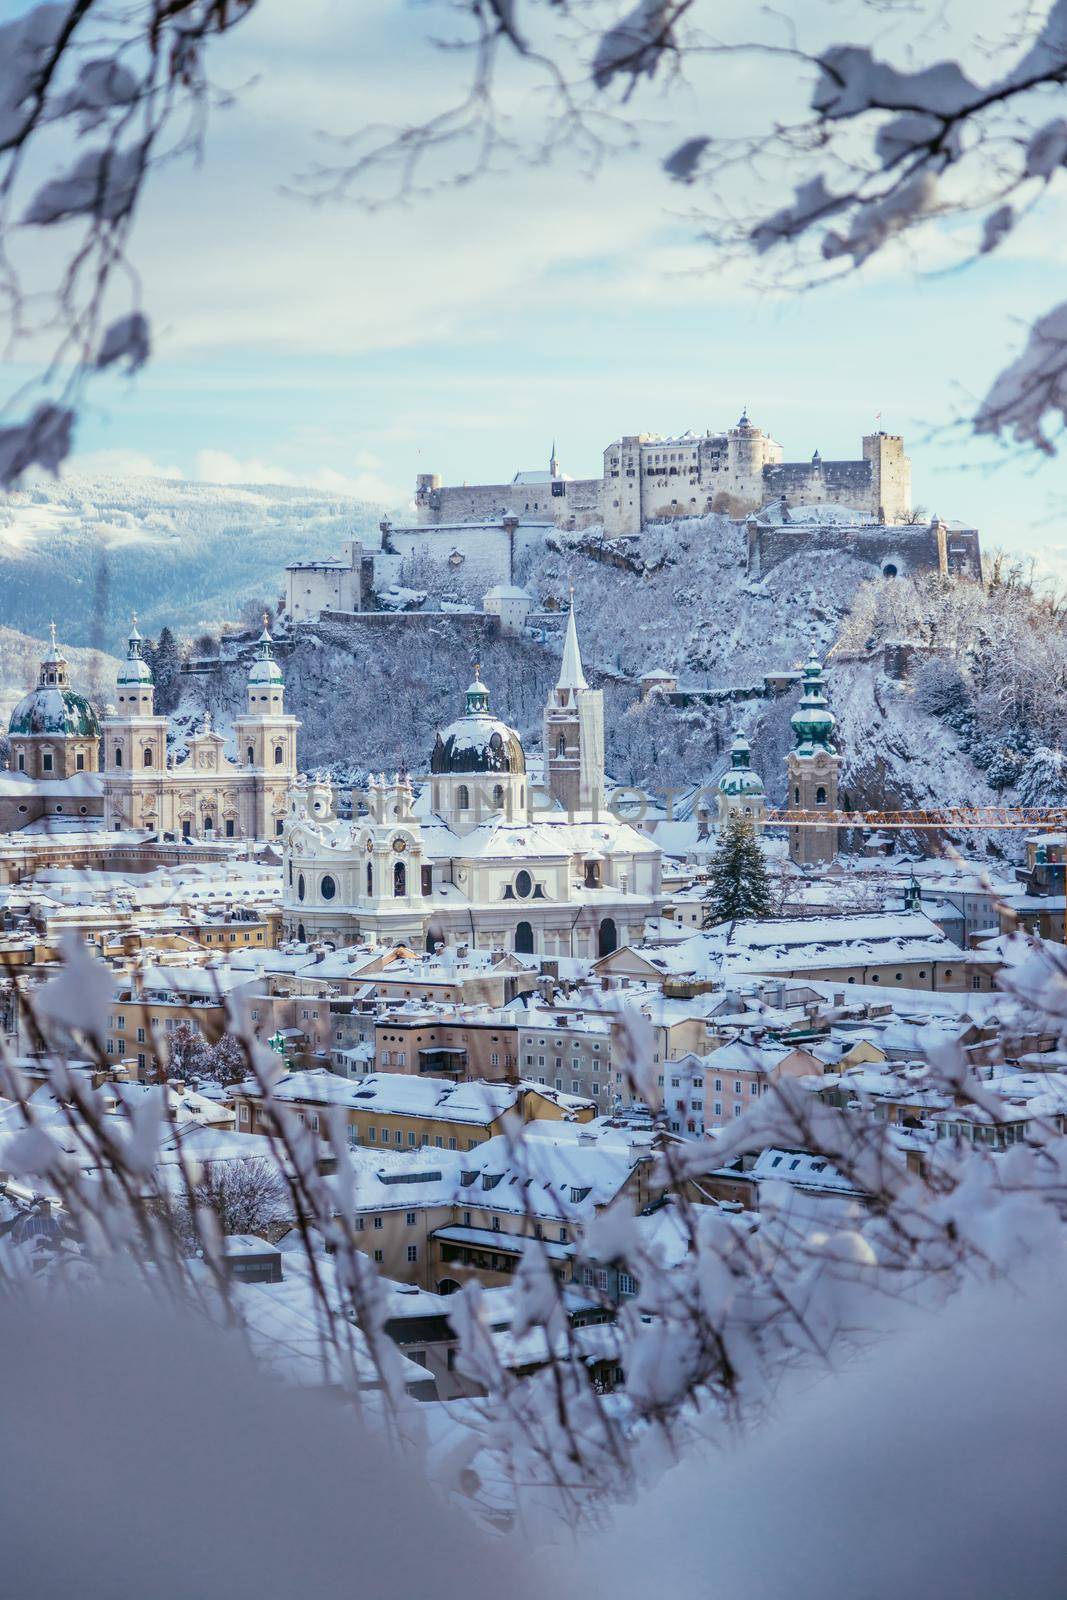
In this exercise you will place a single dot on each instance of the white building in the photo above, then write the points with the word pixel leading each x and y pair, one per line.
pixel 485 858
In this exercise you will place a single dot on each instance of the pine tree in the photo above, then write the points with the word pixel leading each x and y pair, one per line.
pixel 166 667
pixel 739 886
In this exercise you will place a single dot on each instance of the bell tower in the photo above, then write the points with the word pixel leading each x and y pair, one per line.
pixel 573 740
pixel 266 743
pixel 135 746
pixel 813 767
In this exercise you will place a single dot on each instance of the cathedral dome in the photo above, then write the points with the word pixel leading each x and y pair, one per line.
pixel 477 742
pixel 57 711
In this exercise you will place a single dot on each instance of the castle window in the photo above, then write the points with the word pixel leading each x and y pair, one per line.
pixel 148 758
pixel 463 799
pixel 46 761
pixel 400 880
pixel 279 755
pixel 561 745
pixel 251 756
pixel 328 887
pixel 79 761
pixel 370 880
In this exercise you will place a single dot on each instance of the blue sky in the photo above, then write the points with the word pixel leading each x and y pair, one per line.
pixel 463 332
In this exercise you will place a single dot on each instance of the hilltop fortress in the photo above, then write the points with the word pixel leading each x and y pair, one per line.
pixel 647 478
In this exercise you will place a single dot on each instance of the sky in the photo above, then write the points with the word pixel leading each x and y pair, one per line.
pixel 464 331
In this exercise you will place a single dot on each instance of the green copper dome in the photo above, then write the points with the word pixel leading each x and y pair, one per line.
pixel 813 722
pixel 740 778
pixel 135 668
pixel 56 711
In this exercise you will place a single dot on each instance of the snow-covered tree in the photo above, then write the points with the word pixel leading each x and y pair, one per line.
pixel 164 658
pixel 739 885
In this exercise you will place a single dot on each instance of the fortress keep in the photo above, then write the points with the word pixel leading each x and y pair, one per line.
pixel 647 478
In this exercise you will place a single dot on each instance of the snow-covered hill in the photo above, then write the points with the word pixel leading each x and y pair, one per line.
pixel 90 551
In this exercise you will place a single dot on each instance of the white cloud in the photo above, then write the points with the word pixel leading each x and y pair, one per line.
pixel 119 464
pixel 219 466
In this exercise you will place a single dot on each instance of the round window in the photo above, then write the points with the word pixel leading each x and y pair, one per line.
pixel 328 888
pixel 300 887
pixel 523 884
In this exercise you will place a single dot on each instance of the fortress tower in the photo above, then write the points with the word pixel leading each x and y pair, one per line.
pixel 890 477
pixel 813 767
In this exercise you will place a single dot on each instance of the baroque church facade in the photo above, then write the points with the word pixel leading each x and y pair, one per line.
pixel 485 856
pixel 208 794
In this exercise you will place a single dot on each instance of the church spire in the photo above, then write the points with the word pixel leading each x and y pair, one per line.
pixel 553 462
pixel 571 675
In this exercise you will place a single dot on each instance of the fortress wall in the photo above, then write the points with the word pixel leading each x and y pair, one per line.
pixel 836 483
pixel 478 556
pixel 906 548
pixel 577 505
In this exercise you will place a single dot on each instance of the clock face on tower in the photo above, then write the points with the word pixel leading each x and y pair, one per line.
pixel 399 844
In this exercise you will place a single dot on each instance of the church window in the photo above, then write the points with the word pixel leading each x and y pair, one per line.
pixel 370 879
pixel 328 887
pixel 187 828
pixel 427 880
pixel 118 755
pixel 279 755
pixel 300 933
pixel 148 758
pixel 561 746
pixel 46 761
pixel 279 826
pixel 22 762
pixel 229 827
pixel 463 799
pixel 400 880
pixel 300 887
pixel 79 761
pixel 524 939
pixel 251 756
pixel 820 796
pixel 209 824
pixel 523 884
pixel 796 796
pixel 498 794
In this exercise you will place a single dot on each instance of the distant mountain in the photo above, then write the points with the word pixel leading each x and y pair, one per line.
pixel 87 552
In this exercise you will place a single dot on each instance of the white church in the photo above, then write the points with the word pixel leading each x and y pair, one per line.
pixel 484 856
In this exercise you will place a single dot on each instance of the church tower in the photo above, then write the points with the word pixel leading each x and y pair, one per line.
pixel 740 789
pixel 266 743
pixel 813 767
pixel 135 746
pixel 574 734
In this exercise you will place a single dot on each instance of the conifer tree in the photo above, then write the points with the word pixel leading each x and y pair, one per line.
pixel 166 666
pixel 739 886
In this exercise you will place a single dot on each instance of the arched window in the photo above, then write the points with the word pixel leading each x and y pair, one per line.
pixel 301 935
pixel 820 796
pixel 370 881
pixel 498 795
pixel 400 880
pixel 561 746
pixel 524 939
pixel 300 887
pixel 607 938
pixel 251 756
pixel 279 755
pixel 796 796
pixel 148 758
pixel 209 824
pixel 118 755
pixel 328 887
pixel 290 874
pixel 463 799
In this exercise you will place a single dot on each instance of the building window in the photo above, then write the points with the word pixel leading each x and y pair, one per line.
pixel 118 755
pixel 251 756
pixel 79 761
pixel 494 1058
pixel 279 755
pixel 328 887
pixel 370 880
pixel 46 761
pixel 379 1256
pixel 301 887
pixel 523 884
pixel 820 796
pixel 627 1283
pixel 411 1218
pixel 463 799
pixel 413 1255
pixel 148 758
pixel 377 1222
pixel 400 880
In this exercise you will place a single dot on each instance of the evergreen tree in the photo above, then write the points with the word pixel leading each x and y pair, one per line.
pixel 739 886
pixel 166 666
